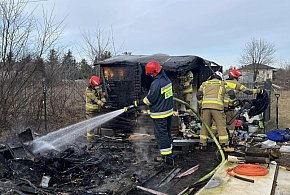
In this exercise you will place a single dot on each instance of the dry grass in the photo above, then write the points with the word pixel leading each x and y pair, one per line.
pixel 284 109
pixel 65 106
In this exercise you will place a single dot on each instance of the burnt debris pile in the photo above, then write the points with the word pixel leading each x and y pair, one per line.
pixel 110 165
pixel 101 168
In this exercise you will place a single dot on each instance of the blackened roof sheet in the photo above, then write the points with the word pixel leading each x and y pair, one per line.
pixel 170 63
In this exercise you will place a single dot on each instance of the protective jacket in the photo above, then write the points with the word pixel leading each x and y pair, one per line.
pixel 187 84
pixel 233 84
pixel 95 99
pixel 160 97
pixel 212 93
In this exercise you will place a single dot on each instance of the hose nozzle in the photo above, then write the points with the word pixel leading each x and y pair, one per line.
pixel 126 109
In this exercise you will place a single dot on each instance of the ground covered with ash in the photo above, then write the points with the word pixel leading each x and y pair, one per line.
pixel 105 167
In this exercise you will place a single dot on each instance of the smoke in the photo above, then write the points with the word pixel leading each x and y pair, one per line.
pixel 144 147
pixel 142 151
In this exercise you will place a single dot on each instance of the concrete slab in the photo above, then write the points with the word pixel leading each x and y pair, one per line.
pixel 283 187
pixel 228 185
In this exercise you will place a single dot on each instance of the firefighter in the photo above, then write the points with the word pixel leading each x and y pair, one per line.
pixel 188 88
pixel 95 99
pixel 233 83
pixel 160 102
pixel 212 93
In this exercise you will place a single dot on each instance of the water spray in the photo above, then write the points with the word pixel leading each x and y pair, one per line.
pixel 58 139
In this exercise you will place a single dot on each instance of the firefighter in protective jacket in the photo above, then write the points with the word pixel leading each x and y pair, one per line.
pixel 188 88
pixel 160 102
pixel 95 99
pixel 212 93
pixel 233 83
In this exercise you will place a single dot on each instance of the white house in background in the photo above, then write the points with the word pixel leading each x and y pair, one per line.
pixel 265 72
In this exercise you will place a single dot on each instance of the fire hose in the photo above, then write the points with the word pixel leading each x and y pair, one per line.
pixel 190 188
pixel 248 170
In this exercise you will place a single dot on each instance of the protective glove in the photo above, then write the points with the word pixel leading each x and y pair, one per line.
pixel 226 109
pixel 108 106
pixel 126 109
pixel 199 95
pixel 138 103
pixel 236 103
pixel 232 94
pixel 135 103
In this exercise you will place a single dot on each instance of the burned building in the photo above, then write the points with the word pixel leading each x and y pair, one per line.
pixel 125 80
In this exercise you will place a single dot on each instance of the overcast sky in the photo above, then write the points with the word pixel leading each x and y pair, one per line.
pixel 213 29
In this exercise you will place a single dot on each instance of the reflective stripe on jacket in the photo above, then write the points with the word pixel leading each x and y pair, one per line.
pixel 187 85
pixel 160 97
pixel 94 99
pixel 236 86
pixel 213 92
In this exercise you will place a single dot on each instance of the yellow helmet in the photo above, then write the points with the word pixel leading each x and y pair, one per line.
pixel 189 75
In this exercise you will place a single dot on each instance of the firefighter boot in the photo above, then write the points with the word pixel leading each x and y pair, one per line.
pixel 159 158
pixel 201 147
pixel 91 136
pixel 169 160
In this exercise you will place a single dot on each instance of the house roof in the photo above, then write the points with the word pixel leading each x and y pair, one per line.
pixel 170 63
pixel 252 66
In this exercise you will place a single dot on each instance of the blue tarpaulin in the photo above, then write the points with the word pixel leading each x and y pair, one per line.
pixel 279 135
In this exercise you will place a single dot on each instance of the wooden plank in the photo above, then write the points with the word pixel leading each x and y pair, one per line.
pixel 231 185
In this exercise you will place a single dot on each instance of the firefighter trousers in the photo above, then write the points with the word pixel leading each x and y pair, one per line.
pixel 208 115
pixel 91 132
pixel 162 130
pixel 231 127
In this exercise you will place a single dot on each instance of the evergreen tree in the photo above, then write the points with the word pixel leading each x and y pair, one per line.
pixel 102 56
pixel 52 68
pixel 69 66
pixel 86 71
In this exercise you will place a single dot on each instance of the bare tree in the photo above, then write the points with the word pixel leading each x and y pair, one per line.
pixel 98 46
pixel 257 52
pixel 282 75
pixel 15 27
pixel 21 70
pixel 49 31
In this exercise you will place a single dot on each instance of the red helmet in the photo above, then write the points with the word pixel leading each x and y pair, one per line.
pixel 153 68
pixel 95 81
pixel 235 73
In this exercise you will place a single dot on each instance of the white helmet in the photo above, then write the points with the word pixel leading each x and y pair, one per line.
pixel 218 73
